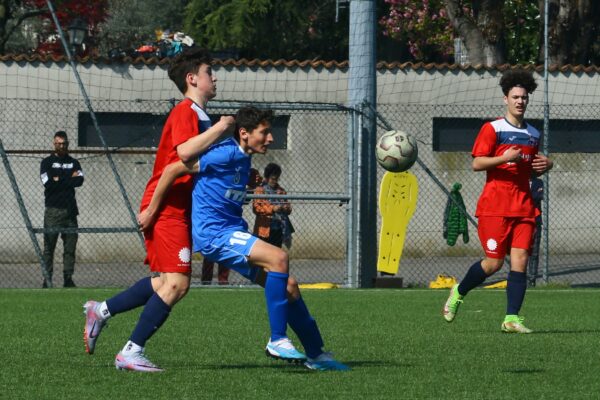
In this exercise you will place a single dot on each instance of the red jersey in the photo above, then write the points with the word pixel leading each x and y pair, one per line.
pixel 185 121
pixel 506 192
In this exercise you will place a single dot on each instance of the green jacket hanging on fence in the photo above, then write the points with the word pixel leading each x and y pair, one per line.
pixel 455 218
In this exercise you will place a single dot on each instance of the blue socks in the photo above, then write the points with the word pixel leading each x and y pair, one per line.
pixel 515 292
pixel 135 296
pixel 154 315
pixel 305 327
pixel 475 276
pixel 277 303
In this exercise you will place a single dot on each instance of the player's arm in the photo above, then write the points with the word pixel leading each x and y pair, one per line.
pixel 483 163
pixel 541 164
pixel 484 148
pixel 170 173
pixel 193 147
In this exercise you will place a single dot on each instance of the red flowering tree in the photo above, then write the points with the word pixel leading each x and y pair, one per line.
pixel 423 25
pixel 93 13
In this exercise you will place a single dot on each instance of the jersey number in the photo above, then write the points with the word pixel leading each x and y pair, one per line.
pixel 240 238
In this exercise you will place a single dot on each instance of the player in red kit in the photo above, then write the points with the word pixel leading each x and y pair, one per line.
pixel 167 230
pixel 507 149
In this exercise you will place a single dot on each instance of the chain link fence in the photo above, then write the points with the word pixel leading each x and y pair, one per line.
pixel 573 217
pixel 311 147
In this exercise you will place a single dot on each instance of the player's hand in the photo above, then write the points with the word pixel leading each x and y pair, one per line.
pixel 513 154
pixel 228 123
pixel 145 219
pixel 55 178
pixel 541 163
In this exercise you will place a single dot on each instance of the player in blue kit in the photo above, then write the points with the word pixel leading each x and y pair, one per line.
pixel 220 233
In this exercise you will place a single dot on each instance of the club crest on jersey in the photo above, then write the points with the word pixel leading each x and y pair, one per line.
pixel 185 255
pixel 491 244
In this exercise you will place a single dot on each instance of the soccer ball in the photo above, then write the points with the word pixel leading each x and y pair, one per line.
pixel 396 151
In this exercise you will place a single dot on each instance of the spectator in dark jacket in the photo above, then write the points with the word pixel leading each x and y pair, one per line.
pixel 60 174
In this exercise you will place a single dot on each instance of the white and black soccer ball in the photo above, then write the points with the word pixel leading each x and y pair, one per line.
pixel 396 151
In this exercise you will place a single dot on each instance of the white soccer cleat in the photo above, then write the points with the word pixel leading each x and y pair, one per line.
pixel 283 349
pixel 135 362
pixel 93 325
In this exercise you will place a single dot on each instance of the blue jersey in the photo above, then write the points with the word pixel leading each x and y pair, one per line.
pixel 219 192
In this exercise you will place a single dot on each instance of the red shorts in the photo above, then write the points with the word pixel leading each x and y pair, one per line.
pixel 499 234
pixel 168 246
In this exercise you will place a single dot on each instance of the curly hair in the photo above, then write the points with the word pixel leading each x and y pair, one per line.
pixel 517 78
pixel 188 61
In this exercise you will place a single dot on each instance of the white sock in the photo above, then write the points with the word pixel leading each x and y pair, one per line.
pixel 131 348
pixel 102 311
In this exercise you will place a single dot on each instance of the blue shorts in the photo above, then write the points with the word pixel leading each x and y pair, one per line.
pixel 231 249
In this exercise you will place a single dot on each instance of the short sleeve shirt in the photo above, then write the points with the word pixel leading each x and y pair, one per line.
pixel 507 192
pixel 219 191
pixel 185 121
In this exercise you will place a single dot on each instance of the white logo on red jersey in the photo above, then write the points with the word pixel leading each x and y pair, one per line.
pixel 185 255
pixel 491 244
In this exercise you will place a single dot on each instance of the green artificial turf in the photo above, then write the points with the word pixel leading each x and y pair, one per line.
pixel 396 342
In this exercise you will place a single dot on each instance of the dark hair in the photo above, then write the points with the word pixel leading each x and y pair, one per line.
pixel 272 169
pixel 61 134
pixel 249 118
pixel 517 78
pixel 188 61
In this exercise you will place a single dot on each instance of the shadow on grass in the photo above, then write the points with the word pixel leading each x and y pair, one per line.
pixel 525 371
pixel 564 332
pixel 287 367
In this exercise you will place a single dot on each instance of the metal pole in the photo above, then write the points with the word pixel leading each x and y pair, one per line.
pixel 95 121
pixel 545 148
pixel 25 215
pixel 362 90
pixel 350 221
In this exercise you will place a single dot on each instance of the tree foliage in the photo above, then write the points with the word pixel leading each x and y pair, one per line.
pixel 573 31
pixel 13 13
pixel 269 28
pixel 423 25
pixel 497 31
pixel 133 22
pixel 36 16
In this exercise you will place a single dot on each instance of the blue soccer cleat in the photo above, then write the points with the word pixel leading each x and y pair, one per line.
pixel 283 349
pixel 325 362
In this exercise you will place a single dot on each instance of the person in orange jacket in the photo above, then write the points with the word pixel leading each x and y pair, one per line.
pixel 272 215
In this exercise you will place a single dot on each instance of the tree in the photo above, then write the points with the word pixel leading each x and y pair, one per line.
pixel 573 32
pixel 498 31
pixel 132 22
pixel 92 12
pixel 481 28
pixel 13 13
pixel 269 28
pixel 421 24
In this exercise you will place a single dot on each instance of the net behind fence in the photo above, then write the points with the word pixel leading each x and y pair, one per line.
pixel 443 108
pixel 574 222
pixel 311 150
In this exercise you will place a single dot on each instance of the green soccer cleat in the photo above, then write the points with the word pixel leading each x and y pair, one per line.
pixel 514 324
pixel 451 307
